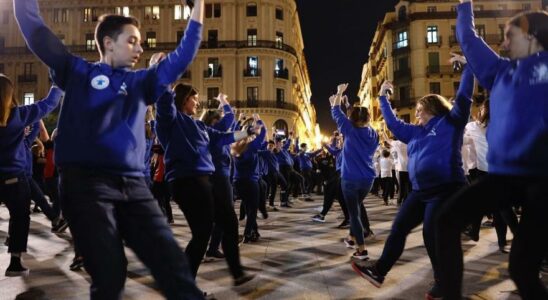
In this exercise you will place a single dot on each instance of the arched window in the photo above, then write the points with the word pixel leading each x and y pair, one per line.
pixel 402 13
pixel 281 126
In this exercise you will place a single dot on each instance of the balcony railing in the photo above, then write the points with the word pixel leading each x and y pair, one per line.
pixel 442 70
pixel 430 43
pixel 265 104
pixel 27 78
pixel 172 45
pixel 402 73
pixel 491 39
pixel 282 74
pixel 209 73
pixel 249 72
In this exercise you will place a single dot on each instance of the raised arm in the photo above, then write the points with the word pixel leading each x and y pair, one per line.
pixel 227 121
pixel 166 113
pixel 403 131
pixel 174 65
pixel 33 113
pixel 41 40
pixel 256 144
pixel 463 99
pixel 483 61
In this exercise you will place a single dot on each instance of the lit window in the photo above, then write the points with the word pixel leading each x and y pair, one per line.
pixel 278 65
pixel 252 93
pixel 90 42
pixel 279 40
pixel 432 34
pixel 181 12
pixel 402 40
pixel 431 9
pixel 87 14
pixel 280 95
pixel 152 12
pixel 28 98
pixel 151 39
pixel 122 10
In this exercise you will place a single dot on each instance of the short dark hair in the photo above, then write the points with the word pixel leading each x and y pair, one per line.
pixel 182 93
pixel 359 116
pixel 385 153
pixel 303 145
pixel 210 116
pixel 271 142
pixel 111 26
pixel 534 23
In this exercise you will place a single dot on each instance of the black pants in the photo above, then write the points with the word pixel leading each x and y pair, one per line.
pixel 297 183
pixel 15 193
pixel 333 190
pixel 103 209
pixel 52 190
pixel 308 181
pixel 195 198
pixel 405 186
pixel 37 195
pixel 249 192
pixel 530 244
pixel 160 190
pixel 387 188
pixel 285 175
pixel 273 179
pixel 263 191
pixel 226 220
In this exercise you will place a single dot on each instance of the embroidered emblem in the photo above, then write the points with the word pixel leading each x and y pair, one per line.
pixel 100 82
pixel 540 74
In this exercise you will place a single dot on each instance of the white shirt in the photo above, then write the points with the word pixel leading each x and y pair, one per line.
pixel 476 133
pixel 386 167
pixel 400 151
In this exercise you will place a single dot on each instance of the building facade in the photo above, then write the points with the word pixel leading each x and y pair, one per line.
pixel 412 47
pixel 252 50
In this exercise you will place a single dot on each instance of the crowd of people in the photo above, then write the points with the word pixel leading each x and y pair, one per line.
pixel 130 142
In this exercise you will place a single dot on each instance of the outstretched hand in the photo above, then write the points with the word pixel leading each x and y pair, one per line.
pixel 457 57
pixel 223 99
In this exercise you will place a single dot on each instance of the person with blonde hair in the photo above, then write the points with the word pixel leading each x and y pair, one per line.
pixel 14 185
pixel 435 171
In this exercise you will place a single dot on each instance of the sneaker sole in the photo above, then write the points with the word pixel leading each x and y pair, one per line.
pixel 318 220
pixel 371 280
pixel 361 257
pixel 17 273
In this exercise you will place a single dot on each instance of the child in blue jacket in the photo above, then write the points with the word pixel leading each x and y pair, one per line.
pixel 517 157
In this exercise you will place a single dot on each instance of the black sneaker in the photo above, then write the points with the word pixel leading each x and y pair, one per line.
pixel 16 268
pixel 77 264
pixel 344 225
pixel 60 226
pixel 434 293
pixel 361 255
pixel 349 243
pixel 318 218
pixel 369 273
pixel 243 279
pixel 215 254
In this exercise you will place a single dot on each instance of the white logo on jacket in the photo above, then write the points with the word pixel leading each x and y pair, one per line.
pixel 432 132
pixel 123 89
pixel 100 82
pixel 540 74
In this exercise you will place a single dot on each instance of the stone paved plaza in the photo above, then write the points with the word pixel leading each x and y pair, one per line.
pixel 295 259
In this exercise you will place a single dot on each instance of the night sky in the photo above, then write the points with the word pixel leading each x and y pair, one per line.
pixel 337 35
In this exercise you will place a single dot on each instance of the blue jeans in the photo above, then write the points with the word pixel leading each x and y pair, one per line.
pixel 102 210
pixel 419 207
pixel 354 192
pixel 15 193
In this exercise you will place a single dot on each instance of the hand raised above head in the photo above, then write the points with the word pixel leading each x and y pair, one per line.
pixel 387 89
pixel 223 99
pixel 341 88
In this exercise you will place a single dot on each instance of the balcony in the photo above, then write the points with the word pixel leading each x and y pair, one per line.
pixel 440 70
pixel 27 78
pixel 402 73
pixel 250 72
pixel 283 74
pixel 265 104
pixel 246 44
pixel 210 73
pixel 437 43
pixel 398 49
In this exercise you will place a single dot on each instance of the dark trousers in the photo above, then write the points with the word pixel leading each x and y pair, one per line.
pixel 103 209
pixel 419 207
pixel 405 186
pixel 308 181
pixel 52 190
pixel 297 183
pixel 284 177
pixel 195 198
pixel 15 193
pixel 263 191
pixel 226 220
pixel 37 195
pixel 249 192
pixel 530 243
pixel 160 190
pixel 387 188
pixel 354 193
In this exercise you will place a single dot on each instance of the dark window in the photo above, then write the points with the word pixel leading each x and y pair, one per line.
pixel 213 10
pixel 180 35
pixel 252 93
pixel 212 93
pixel 405 95
pixel 56 15
pixel 280 95
pixel 480 29
pixel 212 38
pixel 1 68
pixel 279 13
pixel 27 69
pixel 2 43
pixel 251 10
pixel 435 88
pixel 64 15
pixel 402 13
pixel 212 67
pixel 209 10
pixel 434 62
pixel 252 37
pixel 217 10
pixel 456 85
pixel 94 15
pixel 281 127
pixel 406 118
